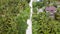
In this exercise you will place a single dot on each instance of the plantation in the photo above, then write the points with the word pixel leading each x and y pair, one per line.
pixel 13 16
pixel 42 23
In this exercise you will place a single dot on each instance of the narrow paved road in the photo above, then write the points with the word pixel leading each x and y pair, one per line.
pixel 29 21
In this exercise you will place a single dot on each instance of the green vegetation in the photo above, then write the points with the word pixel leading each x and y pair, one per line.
pixel 13 16
pixel 43 24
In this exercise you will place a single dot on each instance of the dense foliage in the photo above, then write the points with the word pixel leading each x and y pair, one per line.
pixel 43 24
pixel 57 14
pixel 13 16
pixel 38 4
